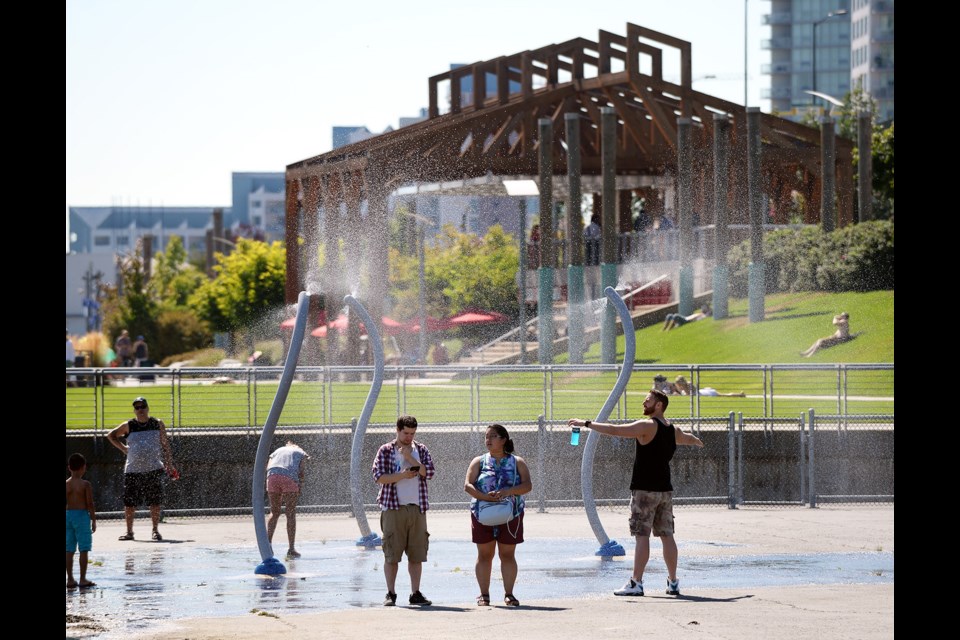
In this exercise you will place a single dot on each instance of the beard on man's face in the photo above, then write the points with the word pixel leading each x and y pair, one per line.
pixel 649 409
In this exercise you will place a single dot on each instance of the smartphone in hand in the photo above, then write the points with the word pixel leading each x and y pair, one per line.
pixel 416 468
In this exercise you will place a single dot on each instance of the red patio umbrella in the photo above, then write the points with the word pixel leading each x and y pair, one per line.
pixel 289 323
pixel 392 327
pixel 340 324
pixel 433 324
pixel 476 316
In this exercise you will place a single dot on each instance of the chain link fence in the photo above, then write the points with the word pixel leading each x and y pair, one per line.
pixel 751 458
pixel 240 398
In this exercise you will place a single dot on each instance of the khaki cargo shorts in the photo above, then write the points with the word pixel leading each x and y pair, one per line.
pixel 404 530
pixel 651 510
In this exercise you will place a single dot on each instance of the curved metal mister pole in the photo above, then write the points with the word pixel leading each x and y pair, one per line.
pixel 608 547
pixel 368 539
pixel 271 566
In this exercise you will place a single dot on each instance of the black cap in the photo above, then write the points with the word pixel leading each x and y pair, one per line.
pixel 141 399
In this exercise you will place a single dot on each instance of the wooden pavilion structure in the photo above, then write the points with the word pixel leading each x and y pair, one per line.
pixel 492 131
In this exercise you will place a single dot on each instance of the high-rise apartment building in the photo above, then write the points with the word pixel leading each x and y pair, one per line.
pixel 795 27
pixel 871 59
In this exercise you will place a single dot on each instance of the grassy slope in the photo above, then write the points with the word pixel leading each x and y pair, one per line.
pixel 793 322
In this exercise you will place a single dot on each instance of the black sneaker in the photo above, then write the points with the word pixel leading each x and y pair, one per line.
pixel 390 600
pixel 417 598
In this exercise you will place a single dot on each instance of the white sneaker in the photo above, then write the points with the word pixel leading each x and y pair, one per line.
pixel 632 588
pixel 673 587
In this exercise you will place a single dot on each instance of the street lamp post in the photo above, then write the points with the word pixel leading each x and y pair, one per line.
pixel 817 23
pixel 745 8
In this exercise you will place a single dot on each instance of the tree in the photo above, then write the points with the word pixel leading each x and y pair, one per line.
pixel 248 282
pixel 461 270
pixel 132 307
pixel 174 279
pixel 846 118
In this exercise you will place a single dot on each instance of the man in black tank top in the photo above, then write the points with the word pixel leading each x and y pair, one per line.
pixel 651 503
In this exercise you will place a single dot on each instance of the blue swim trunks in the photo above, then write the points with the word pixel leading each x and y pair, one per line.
pixel 78 530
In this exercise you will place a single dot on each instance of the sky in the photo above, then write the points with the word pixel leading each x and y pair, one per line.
pixel 165 99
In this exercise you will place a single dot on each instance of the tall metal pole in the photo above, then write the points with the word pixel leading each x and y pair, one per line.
pixel 721 154
pixel 523 280
pixel 608 261
pixel 423 297
pixel 865 165
pixel 745 6
pixel 685 206
pixel 575 289
pixel 815 25
pixel 547 260
pixel 756 274
pixel 828 172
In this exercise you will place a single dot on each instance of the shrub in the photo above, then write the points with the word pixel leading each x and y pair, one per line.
pixel 96 343
pixel 198 358
pixel 178 331
pixel 272 352
pixel 855 258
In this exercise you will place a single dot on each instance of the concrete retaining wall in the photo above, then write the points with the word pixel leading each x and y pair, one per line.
pixel 216 468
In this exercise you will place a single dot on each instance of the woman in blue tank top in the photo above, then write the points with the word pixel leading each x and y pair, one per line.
pixel 497 475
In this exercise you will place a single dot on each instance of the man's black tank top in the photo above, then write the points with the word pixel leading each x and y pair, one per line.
pixel 651 467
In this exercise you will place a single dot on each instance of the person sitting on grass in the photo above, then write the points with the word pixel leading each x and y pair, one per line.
pixel 841 335
pixel 664 386
pixel 674 320
pixel 684 388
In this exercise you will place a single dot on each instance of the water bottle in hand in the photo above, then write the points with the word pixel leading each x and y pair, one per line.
pixel 575 436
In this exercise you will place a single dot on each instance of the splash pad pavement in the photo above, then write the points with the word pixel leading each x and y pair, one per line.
pixel 748 573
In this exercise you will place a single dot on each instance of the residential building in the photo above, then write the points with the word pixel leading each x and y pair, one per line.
pixel 871 59
pixel 795 25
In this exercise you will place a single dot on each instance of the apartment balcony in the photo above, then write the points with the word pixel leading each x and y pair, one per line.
pixel 776 67
pixel 782 17
pixel 777 43
pixel 774 93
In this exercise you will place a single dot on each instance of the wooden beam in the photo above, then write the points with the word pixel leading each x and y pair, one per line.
pixel 631 120
pixel 503 133
pixel 666 124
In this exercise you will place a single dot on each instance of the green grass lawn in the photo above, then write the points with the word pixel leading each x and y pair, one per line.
pixel 793 322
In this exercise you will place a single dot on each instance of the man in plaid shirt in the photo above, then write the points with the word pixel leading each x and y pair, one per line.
pixel 402 468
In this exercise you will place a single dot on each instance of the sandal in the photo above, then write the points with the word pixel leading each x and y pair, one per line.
pixel 483 600
pixel 127 536
pixel 510 601
pixel 157 536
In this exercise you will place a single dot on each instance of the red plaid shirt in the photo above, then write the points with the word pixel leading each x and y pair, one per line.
pixel 387 462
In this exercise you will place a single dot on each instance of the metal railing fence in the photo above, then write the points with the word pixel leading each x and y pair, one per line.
pixel 750 461
pixel 240 398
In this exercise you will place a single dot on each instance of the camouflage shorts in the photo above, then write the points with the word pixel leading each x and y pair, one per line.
pixel 651 510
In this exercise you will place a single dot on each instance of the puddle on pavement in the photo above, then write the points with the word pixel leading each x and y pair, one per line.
pixel 138 590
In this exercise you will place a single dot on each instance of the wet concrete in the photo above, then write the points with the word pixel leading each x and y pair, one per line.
pixel 147 584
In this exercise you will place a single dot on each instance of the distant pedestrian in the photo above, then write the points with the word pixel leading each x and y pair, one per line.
pixel 124 349
pixel 140 351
